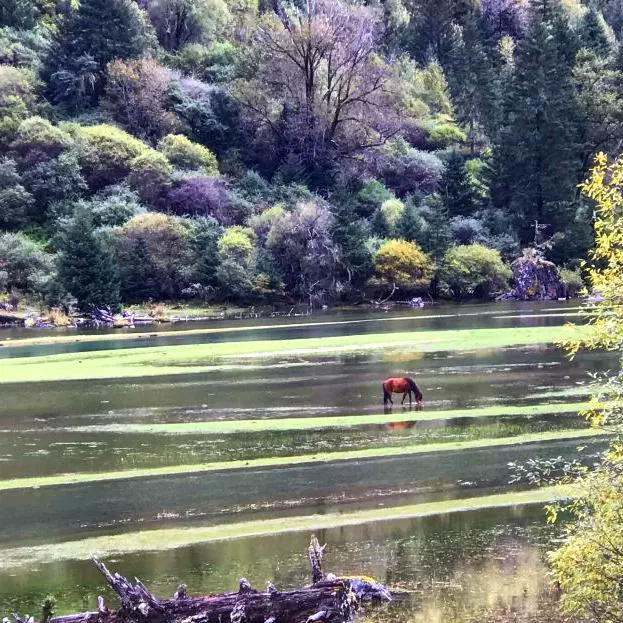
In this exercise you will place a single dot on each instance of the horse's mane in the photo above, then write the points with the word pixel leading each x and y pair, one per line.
pixel 414 388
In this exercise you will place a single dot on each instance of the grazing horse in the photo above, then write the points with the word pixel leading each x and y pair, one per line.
pixel 401 385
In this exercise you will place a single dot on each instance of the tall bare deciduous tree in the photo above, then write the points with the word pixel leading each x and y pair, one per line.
pixel 320 91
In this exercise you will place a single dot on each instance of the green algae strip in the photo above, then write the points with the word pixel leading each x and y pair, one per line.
pixel 172 538
pixel 152 335
pixel 43 340
pixel 196 358
pixel 290 461
pixel 316 423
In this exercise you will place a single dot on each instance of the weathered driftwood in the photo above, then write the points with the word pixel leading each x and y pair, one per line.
pixel 329 599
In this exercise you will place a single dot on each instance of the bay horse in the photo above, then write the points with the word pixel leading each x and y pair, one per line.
pixel 401 385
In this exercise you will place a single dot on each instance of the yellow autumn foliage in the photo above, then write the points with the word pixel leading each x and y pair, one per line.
pixel 588 565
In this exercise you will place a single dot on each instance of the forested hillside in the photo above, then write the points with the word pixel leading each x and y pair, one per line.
pixel 256 151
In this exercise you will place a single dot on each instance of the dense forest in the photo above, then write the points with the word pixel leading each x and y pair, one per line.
pixel 255 151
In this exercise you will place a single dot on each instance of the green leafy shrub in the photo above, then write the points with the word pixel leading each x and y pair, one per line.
pixel 17 97
pixel 37 138
pixel 399 263
pixel 472 271
pixel 15 201
pixel 263 222
pixel 573 280
pixel 108 153
pixel 25 265
pixel 150 175
pixel 23 48
pixel 153 253
pixel 392 211
pixel 372 194
pixel 443 135
pixel 216 63
pixel 54 181
pixel 408 170
pixel 236 243
pixel 185 154
pixel 111 207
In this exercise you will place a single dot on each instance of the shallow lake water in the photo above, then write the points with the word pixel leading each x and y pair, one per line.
pixel 447 567
pixel 453 565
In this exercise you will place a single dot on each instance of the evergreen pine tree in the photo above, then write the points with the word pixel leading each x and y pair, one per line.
pixel 110 29
pixel 592 33
pixel 471 78
pixel 91 36
pixel 139 278
pixel 430 29
pixel 598 91
pixel 18 14
pixel 409 226
pixel 350 235
pixel 86 265
pixel 456 189
pixel 206 234
pixel 437 236
pixel 536 164
pixel 379 224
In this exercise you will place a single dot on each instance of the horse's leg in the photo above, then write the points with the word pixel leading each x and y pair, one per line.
pixel 387 396
pixel 410 404
pixel 403 398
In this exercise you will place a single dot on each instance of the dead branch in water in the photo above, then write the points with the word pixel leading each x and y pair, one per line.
pixel 329 599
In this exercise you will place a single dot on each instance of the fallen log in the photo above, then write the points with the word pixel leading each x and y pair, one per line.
pixel 329 599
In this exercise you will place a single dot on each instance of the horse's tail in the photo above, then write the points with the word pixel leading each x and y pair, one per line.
pixel 414 388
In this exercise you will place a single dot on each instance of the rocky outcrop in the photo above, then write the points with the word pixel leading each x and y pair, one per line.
pixel 535 279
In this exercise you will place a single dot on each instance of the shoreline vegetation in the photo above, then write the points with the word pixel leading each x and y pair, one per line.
pixel 169 313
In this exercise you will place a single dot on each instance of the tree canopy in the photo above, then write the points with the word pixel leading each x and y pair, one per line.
pixel 328 128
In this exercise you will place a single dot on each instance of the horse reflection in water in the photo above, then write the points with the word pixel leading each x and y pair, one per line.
pixel 401 385
pixel 397 425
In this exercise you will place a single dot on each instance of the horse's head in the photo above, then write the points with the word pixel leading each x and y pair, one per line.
pixel 419 398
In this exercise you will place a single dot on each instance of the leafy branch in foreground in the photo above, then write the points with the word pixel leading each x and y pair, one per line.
pixel 588 565
pixel 545 471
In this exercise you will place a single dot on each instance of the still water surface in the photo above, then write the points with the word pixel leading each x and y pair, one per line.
pixel 453 566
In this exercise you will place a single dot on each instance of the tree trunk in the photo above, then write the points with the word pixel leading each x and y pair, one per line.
pixel 329 599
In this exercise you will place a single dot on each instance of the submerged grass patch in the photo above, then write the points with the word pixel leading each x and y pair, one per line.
pixel 173 538
pixel 345 421
pixel 41 340
pixel 318 457
pixel 195 358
